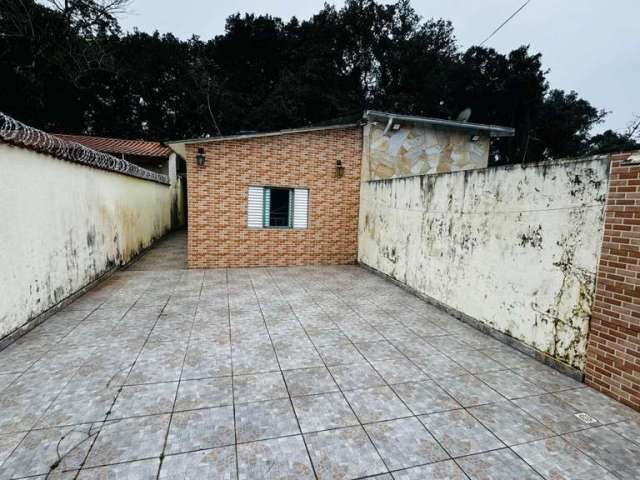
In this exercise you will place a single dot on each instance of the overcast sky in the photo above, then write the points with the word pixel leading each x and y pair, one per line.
pixel 591 46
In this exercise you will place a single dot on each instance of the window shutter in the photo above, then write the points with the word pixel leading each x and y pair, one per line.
pixel 255 207
pixel 301 208
pixel 266 207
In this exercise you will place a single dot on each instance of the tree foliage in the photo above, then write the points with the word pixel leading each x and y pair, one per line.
pixel 66 66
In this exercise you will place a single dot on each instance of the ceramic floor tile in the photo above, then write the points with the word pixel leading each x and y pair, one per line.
pixel 350 377
pixel 281 458
pixel 553 413
pixel 469 391
pixel 129 439
pixel 612 451
pixel 263 420
pixel 321 412
pixel 340 354
pixel 204 393
pixel 149 399
pixel 308 381
pixel 460 433
pixel 597 405
pixel 398 370
pixel 259 387
pixel 447 470
pixel 140 470
pixel 343 453
pixel 376 404
pixel 497 465
pixel 199 429
pixel 215 464
pixel 425 397
pixel 510 385
pixel 509 423
pixel 556 459
pixel 405 443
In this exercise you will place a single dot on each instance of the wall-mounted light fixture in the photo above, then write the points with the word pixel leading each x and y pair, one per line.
pixel 339 169
pixel 475 137
pixel 200 158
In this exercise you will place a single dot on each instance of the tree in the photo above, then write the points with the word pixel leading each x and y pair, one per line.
pixel 66 66
pixel 611 142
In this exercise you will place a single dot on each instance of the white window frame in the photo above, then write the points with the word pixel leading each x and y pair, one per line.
pixel 257 204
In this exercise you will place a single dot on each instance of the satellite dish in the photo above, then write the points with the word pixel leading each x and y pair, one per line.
pixel 464 115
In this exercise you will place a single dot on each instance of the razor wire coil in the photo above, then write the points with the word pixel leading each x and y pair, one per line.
pixel 17 133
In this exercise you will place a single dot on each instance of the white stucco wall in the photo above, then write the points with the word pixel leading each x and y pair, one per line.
pixel 514 247
pixel 62 225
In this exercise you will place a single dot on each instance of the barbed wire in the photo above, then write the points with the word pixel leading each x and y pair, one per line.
pixel 17 133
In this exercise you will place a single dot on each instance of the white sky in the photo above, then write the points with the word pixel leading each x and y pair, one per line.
pixel 591 46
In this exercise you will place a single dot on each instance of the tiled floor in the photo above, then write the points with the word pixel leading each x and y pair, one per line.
pixel 326 372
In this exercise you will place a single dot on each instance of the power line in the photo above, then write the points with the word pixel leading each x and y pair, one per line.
pixel 504 23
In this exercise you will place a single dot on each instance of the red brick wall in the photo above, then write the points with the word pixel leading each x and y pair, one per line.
pixel 218 231
pixel 613 354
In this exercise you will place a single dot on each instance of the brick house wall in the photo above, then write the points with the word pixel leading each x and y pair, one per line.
pixel 613 354
pixel 218 199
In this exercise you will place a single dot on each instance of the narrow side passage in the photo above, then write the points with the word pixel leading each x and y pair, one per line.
pixel 314 372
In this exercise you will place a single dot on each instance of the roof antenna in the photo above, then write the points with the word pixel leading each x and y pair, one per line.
pixel 464 115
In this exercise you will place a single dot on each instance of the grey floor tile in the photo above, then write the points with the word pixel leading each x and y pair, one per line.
pixel 597 405
pixel 476 362
pixel 263 420
pixel 497 465
pixel 259 387
pixel 214 464
pixel 405 443
pixel 378 350
pixel 448 343
pixel 439 366
pixel 548 379
pixel 509 384
pixel 322 412
pixel 281 458
pixel 144 400
pixel 199 429
pixel 42 449
pixel 6 379
pixel 350 377
pixel 204 393
pixel 343 453
pixel 447 470
pixel 425 397
pixel 340 354
pixel 615 453
pixel 142 470
pixel 298 357
pixel 73 406
pixel 460 433
pixel 509 423
pixel 376 404
pixel 398 370
pixel 8 443
pixel 202 362
pixel 509 357
pixel 308 381
pixel 556 459
pixel 629 429
pixel 553 413
pixel 129 439
pixel 469 391
pixel 254 360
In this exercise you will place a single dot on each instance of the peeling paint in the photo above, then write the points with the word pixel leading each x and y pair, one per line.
pixel 515 247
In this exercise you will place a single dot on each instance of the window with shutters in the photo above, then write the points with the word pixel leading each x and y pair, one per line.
pixel 276 207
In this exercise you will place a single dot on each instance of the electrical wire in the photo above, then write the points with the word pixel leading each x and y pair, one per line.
pixel 505 22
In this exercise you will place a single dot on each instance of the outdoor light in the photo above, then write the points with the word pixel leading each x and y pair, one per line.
pixel 200 158
pixel 475 137
pixel 339 168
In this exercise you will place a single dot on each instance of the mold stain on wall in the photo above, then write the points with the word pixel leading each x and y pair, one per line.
pixel 514 247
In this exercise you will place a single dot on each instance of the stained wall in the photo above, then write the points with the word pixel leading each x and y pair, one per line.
pixel 515 247
pixel 62 225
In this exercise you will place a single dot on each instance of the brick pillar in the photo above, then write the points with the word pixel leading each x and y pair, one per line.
pixel 613 354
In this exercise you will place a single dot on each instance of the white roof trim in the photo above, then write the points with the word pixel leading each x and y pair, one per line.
pixel 492 130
